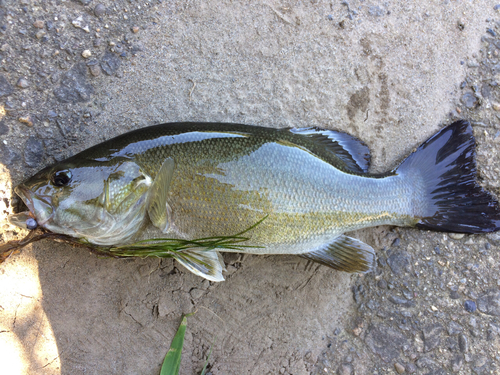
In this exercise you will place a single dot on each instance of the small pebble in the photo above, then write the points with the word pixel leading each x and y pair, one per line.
pixel 470 306
pixel 382 284
pixel 26 120
pixel 95 70
pixel 463 343
pixel 135 29
pixel 496 106
pixel 40 34
pixel 86 54
pixel 491 32
pixel 99 10
pixel 39 24
pixel 456 236
pixel 22 83
pixel 400 369
pixel 454 294
pixel 496 7
pixel 411 368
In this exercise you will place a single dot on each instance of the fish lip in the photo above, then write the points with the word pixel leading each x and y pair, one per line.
pixel 26 195
pixel 29 197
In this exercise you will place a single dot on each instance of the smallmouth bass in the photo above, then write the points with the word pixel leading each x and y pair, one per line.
pixel 270 191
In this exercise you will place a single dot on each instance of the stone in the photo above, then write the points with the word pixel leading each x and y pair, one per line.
pixel 110 63
pixel 470 306
pixel 399 262
pixel 135 29
pixel 432 336
pixel 86 54
pixel 7 155
pixel 26 120
pixel 400 301
pixel 5 87
pixel 400 369
pixel 425 362
pixel 385 341
pixel 22 83
pixel 40 34
pixel 95 70
pixel 74 87
pixel 99 10
pixel 33 152
pixel 39 24
pixel 463 343
pixel 489 303
pixel 454 328
pixel 469 100
pixel 78 22
pixel 411 368
pixel 4 129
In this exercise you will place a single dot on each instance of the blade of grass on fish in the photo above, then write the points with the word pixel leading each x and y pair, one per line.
pixel 165 247
pixel 172 361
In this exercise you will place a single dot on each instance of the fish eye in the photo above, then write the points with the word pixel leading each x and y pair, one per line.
pixel 61 178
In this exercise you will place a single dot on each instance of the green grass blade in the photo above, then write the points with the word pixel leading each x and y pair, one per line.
pixel 208 357
pixel 172 361
pixel 167 247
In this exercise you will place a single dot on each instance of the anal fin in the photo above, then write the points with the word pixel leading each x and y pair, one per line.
pixel 204 263
pixel 344 254
pixel 158 209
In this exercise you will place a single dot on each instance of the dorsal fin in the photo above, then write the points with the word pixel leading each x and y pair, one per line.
pixel 353 152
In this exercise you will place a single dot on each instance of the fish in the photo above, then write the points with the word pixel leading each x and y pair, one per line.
pixel 212 187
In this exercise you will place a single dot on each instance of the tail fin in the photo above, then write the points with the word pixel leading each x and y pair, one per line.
pixel 454 201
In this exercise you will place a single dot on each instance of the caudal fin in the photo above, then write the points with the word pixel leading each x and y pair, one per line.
pixel 453 201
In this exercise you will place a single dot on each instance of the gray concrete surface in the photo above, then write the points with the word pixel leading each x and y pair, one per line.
pixel 74 73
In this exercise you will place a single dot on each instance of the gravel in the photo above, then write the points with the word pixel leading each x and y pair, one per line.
pixel 33 152
pixel 74 86
pixel 470 306
pixel 489 303
pixel 110 63
pixel 5 87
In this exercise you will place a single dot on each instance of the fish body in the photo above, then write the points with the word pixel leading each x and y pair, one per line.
pixel 304 188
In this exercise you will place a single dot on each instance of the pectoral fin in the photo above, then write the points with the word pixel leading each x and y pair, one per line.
pixel 158 209
pixel 204 263
pixel 344 254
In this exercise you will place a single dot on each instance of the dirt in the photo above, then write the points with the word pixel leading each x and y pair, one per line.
pixel 391 73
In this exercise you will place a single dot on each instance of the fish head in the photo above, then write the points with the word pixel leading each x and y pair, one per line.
pixel 102 202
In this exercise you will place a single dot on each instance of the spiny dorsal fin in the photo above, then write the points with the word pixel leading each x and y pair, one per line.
pixel 158 208
pixel 204 263
pixel 353 152
pixel 344 254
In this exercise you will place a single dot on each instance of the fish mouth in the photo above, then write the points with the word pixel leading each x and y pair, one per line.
pixel 39 206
